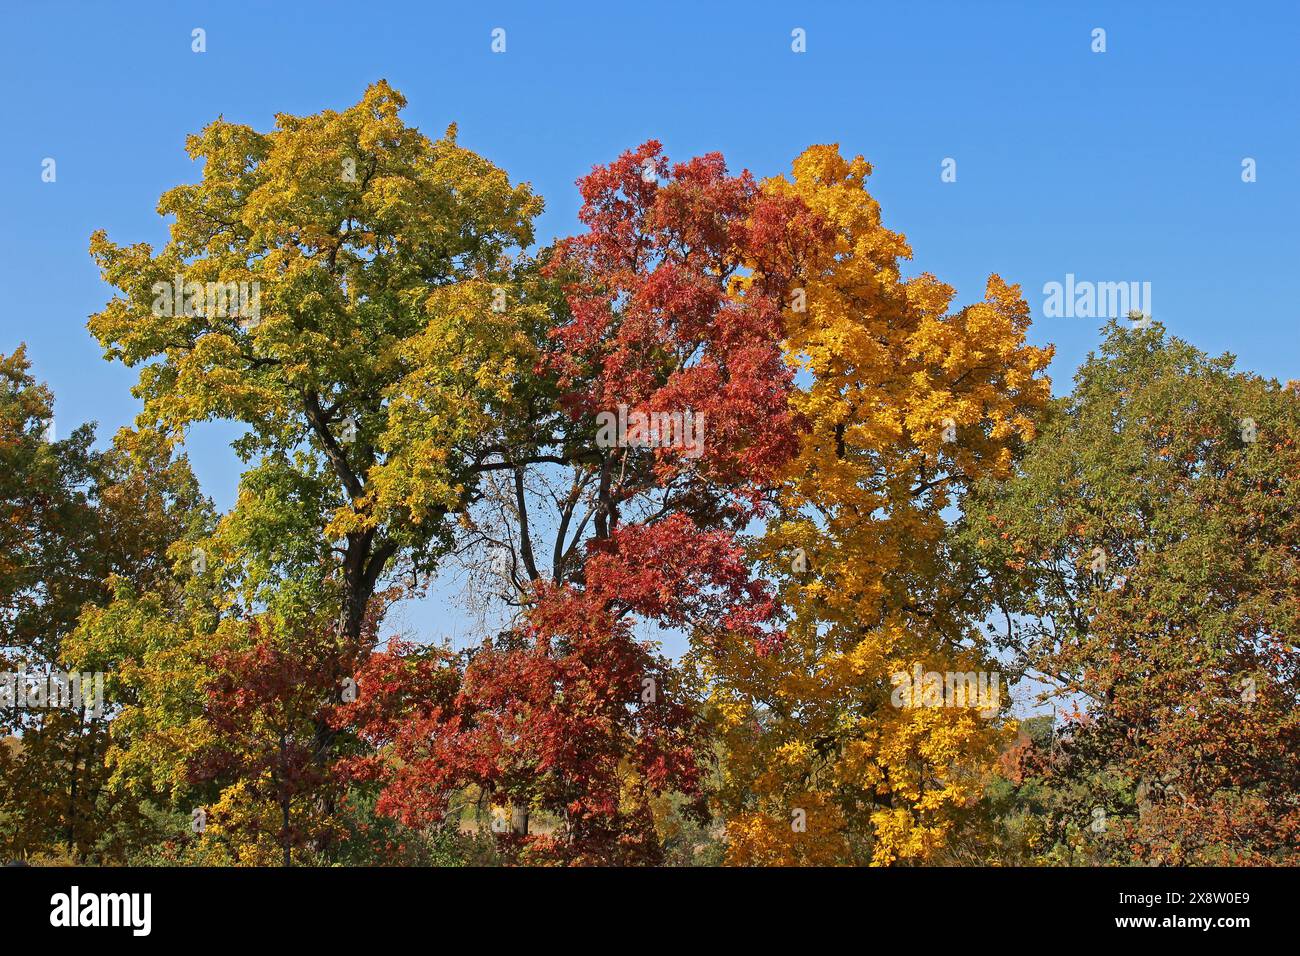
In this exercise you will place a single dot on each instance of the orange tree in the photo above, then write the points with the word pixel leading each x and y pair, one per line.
pixel 905 403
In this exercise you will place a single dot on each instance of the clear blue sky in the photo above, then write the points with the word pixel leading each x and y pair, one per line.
pixel 1123 165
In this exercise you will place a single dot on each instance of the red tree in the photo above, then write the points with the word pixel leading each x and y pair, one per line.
pixel 268 707
pixel 673 299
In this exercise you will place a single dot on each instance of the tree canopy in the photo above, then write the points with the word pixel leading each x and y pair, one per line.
pixel 720 410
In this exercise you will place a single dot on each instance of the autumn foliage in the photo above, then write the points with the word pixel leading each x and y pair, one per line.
pixel 722 410
pixel 567 712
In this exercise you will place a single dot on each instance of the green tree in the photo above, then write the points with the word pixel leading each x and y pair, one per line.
pixel 1150 543
pixel 72 520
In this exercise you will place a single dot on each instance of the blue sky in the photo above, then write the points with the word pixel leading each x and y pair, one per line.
pixel 1115 166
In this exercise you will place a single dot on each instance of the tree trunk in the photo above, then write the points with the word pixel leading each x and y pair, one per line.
pixel 519 821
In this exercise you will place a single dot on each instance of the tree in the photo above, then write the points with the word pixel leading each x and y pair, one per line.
pixel 48 564
pixel 1149 548
pixel 263 705
pixel 335 286
pixel 566 711
pixel 363 357
pixel 74 520
pixel 905 405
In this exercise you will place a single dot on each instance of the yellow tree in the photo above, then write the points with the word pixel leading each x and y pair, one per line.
pixel 356 297
pixel 831 756
pixel 341 287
